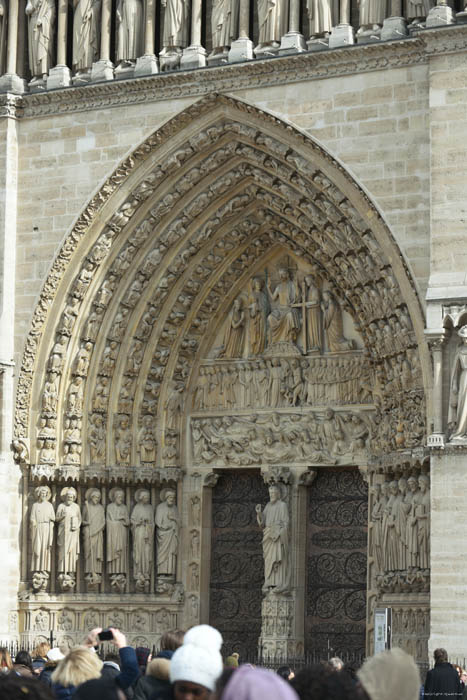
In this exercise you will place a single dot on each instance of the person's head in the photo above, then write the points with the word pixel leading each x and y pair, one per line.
pixel 40 652
pixel 13 687
pixel 5 659
pixel 197 664
pixel 23 658
pixel 321 682
pixel 458 669
pixel 391 674
pixel 336 663
pixel 99 689
pixel 159 668
pixel 440 656
pixel 78 666
pixel 171 640
pixel 248 683
pixel 142 656
pixel 222 681
pixel 285 672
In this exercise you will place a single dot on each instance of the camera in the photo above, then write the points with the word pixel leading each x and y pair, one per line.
pixel 105 635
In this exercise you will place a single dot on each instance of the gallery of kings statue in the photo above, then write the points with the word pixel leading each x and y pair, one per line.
pixel 233 322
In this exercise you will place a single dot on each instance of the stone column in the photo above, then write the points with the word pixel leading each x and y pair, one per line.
pixel 343 34
pixel 103 69
pixel 194 56
pixel 60 75
pixel 242 48
pixel 293 41
pixel 436 342
pixel 147 64
pixel 11 82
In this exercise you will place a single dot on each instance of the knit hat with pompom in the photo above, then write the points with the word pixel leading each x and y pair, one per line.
pixel 198 660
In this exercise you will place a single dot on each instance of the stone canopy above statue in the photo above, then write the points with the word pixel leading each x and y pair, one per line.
pixel 286 310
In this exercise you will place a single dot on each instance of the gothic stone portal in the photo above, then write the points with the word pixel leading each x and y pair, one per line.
pixel 336 563
pixel 237 561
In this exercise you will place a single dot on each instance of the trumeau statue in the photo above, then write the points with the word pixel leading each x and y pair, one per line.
pixel 167 529
pixel 274 521
pixel 41 521
pixel 86 33
pixel 142 527
pixel 41 29
pixel 68 517
pixel 129 30
pixel 93 536
pixel 458 397
pixel 118 522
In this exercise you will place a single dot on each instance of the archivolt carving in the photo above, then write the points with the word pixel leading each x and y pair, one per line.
pixel 137 310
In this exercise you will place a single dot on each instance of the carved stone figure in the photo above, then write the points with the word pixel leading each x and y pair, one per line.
pixel 97 439
pixel 147 441
pixel 195 510
pixel 372 14
pixel 323 16
pixel 284 320
pixel 118 522
pixel 167 528
pixel 41 522
pixel 50 393
pixel 376 518
pixel 142 527
pixel 333 324
pixel 312 321
pixel 458 398
pixel 85 33
pixel 75 396
pixel 93 536
pixel 3 34
pixel 273 16
pixel 129 30
pixel 259 309
pixel 274 521
pixel 123 441
pixel 223 24
pixel 41 30
pixel 68 517
pixel 175 23
pixel 411 532
pixel 421 514
pixel 234 337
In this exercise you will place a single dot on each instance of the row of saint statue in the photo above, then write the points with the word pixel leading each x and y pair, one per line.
pixel 93 519
pixel 132 16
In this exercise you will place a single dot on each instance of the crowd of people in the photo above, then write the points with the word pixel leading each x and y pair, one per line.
pixel 189 666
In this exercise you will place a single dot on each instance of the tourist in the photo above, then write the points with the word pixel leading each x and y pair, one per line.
pixel 99 689
pixel 285 672
pixel 442 682
pixel 170 642
pixel 336 663
pixel 248 683
pixel 143 656
pixel 390 675
pixel 232 660
pixel 197 664
pixel 23 664
pixel 39 657
pixel 321 682
pixel 53 656
pixel 156 682
pixel 79 665
pixel 6 663
pixel 13 687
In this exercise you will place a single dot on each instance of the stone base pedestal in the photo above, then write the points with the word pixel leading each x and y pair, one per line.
pixel 218 58
pixel 102 70
pixel 277 639
pixel 169 59
pixel 193 57
pixel 268 50
pixel 292 42
pixel 59 77
pixel 440 15
pixel 241 50
pixel 394 28
pixel 342 35
pixel 318 44
pixel 124 70
pixel 461 17
pixel 369 36
pixel 10 82
pixel 146 65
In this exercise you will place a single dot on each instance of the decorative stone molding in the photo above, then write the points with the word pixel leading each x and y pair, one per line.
pixel 260 73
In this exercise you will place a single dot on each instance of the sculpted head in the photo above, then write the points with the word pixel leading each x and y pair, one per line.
pixel 168 495
pixel 274 493
pixel 283 274
pixel 69 494
pixel 43 493
pixel 117 496
pixel 143 496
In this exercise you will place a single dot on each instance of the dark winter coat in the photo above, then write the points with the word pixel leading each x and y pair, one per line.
pixel 443 683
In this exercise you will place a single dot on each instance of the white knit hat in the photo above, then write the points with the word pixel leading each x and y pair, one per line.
pixel 389 675
pixel 198 660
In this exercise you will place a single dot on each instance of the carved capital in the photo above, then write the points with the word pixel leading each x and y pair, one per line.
pixel 364 472
pixel 308 477
pixel 436 338
pixel 211 479
pixel 275 474
pixel 21 451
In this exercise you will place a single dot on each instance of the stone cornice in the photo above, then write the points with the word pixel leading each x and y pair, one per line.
pixel 257 73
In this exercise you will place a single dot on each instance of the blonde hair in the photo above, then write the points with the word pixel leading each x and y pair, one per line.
pixel 41 650
pixel 78 666
pixel 5 659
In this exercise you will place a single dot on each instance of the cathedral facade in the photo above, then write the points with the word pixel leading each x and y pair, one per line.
pixel 233 321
